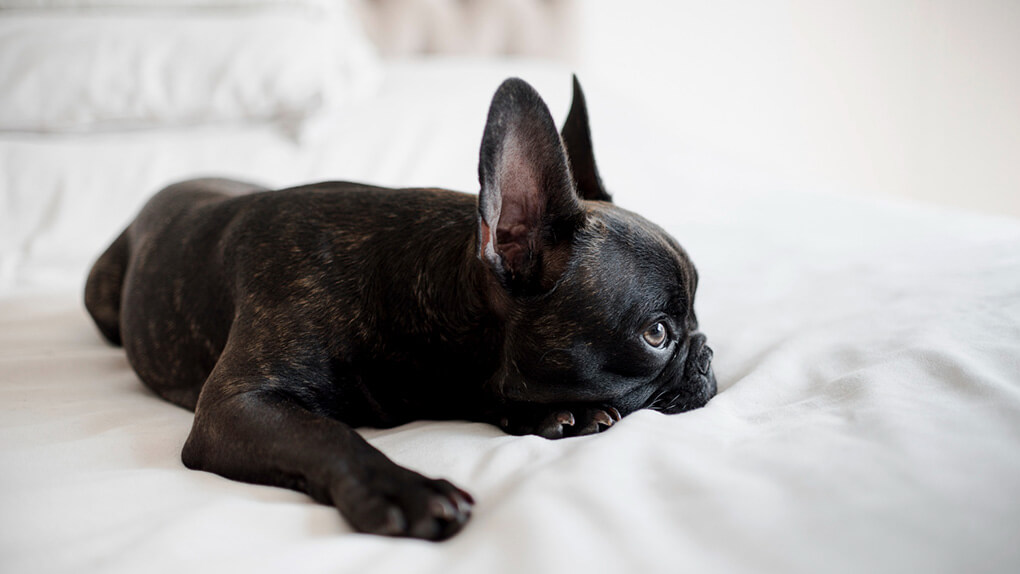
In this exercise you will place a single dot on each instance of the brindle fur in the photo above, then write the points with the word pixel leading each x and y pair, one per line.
pixel 286 318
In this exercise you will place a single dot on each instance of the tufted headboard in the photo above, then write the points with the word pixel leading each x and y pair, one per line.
pixel 539 28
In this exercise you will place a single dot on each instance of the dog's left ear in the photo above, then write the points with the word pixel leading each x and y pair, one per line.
pixel 577 137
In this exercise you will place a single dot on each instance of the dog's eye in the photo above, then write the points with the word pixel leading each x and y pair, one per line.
pixel 655 335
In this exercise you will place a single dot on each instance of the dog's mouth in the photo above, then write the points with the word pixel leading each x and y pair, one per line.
pixel 671 403
pixel 695 387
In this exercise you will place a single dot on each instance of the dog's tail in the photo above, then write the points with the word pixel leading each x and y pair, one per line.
pixel 104 286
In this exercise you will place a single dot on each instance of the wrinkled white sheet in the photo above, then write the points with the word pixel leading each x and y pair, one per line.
pixel 868 418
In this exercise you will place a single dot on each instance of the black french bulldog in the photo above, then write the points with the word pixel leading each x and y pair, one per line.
pixel 284 319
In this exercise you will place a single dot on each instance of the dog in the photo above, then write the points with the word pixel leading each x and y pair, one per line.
pixel 287 318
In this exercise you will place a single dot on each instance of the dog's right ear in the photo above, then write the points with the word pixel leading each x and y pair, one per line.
pixel 527 205
pixel 577 137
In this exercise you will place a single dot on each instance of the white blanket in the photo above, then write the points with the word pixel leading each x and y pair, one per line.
pixel 868 418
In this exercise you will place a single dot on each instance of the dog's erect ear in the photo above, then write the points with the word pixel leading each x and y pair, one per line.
pixel 577 137
pixel 527 205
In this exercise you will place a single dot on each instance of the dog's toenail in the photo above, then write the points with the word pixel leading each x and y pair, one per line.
pixel 463 501
pixel 443 508
pixel 395 522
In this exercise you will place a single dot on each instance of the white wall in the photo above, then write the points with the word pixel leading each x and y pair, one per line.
pixel 915 98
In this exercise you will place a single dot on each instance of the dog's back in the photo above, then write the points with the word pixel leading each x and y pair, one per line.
pixel 169 287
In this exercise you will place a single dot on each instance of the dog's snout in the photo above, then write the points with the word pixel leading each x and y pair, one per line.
pixel 699 371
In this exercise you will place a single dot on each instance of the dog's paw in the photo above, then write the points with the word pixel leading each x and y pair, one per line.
pixel 595 420
pixel 399 502
pixel 562 423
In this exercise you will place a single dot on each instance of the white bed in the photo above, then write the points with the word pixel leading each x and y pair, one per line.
pixel 868 358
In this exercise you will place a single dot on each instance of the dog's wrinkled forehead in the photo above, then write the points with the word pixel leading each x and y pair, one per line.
pixel 631 263
pixel 624 275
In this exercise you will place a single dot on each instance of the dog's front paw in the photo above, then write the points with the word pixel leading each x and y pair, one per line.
pixel 400 502
pixel 562 423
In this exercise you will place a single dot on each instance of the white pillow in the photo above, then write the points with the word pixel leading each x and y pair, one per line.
pixel 70 70
pixel 161 4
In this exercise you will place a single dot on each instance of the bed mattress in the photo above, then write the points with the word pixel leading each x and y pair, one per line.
pixel 867 353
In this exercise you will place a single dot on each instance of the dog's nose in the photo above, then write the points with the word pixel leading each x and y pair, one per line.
pixel 704 360
pixel 699 369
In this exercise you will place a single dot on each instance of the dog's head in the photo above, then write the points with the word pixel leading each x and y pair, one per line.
pixel 598 302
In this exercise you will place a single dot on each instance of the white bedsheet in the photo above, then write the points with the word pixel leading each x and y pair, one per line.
pixel 868 418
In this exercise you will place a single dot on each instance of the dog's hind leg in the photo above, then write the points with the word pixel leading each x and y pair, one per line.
pixel 103 288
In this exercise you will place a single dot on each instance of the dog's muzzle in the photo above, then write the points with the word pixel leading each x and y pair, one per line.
pixel 697 384
pixel 699 379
